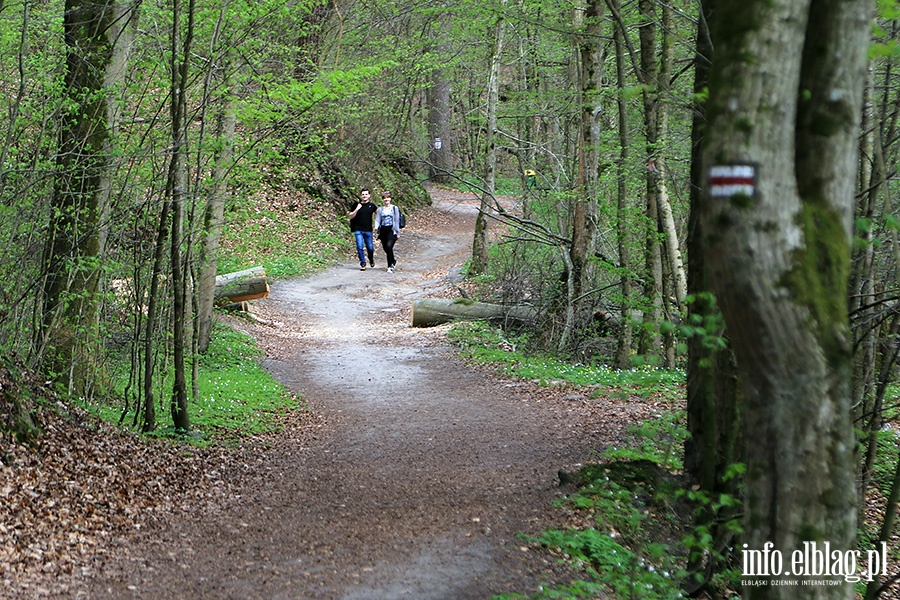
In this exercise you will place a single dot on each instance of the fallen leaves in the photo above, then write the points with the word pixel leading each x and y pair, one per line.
pixel 80 484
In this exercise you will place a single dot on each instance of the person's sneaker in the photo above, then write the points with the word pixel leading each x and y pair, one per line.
pixel 390 269
pixel 362 267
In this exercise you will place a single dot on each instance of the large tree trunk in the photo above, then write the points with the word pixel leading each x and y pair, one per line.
pixel 713 402
pixel 240 286
pixel 777 233
pixel 97 40
pixel 584 210
pixel 440 162
pixel 428 312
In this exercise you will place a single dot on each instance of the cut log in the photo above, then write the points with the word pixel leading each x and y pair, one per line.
pixel 242 306
pixel 241 286
pixel 427 312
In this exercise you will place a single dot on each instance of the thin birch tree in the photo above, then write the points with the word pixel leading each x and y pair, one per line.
pixel 480 240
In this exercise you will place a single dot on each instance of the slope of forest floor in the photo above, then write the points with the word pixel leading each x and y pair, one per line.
pixel 412 475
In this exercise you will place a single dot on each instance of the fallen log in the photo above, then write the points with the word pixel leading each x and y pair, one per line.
pixel 241 286
pixel 427 312
pixel 242 306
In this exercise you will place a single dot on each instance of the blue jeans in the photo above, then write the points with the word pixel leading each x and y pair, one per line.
pixel 364 245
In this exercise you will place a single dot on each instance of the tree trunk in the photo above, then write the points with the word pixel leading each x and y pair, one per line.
pixel 176 189
pixel 97 41
pixel 440 162
pixel 584 211
pixel 239 286
pixel 651 343
pixel 868 390
pixel 527 124
pixel 713 402
pixel 213 220
pixel 480 241
pixel 626 332
pixel 153 310
pixel 202 270
pixel 666 217
pixel 777 223
pixel 862 275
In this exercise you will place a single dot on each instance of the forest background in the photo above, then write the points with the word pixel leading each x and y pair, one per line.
pixel 135 135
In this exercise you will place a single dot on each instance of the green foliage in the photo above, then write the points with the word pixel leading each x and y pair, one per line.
pixel 638 541
pixel 660 441
pixel 286 244
pixel 628 574
pixel 888 9
pixel 884 45
pixel 614 555
pixel 704 323
pixel 483 343
pixel 700 541
pixel 503 186
pixel 237 396
pixel 578 589
pixel 286 98
pixel 888 454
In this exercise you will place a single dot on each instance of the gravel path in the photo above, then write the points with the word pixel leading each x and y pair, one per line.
pixel 417 474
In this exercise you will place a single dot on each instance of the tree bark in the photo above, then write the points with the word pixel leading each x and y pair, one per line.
pixel 777 236
pixel 623 238
pixel 715 445
pixel 440 162
pixel 651 342
pixel 666 216
pixel 97 41
pixel 480 241
pixel 584 210
pixel 176 190
pixel 213 221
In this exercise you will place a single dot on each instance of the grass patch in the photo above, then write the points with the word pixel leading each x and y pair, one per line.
pixel 285 244
pixel 660 441
pixel 483 343
pixel 237 398
pixel 620 513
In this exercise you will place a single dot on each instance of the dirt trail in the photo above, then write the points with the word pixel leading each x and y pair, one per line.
pixel 421 475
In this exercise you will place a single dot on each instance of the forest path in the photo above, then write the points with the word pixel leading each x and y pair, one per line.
pixel 422 472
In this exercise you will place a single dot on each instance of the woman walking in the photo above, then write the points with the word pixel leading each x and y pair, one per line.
pixel 387 224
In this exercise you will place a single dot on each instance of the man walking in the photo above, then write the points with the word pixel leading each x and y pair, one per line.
pixel 361 226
